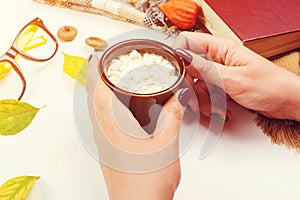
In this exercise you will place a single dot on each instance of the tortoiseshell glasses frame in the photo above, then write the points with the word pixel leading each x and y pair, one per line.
pixel 15 50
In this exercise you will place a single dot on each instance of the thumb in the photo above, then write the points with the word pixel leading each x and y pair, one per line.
pixel 92 74
pixel 208 70
pixel 172 112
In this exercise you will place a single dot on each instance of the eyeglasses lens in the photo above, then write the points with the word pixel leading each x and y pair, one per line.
pixel 10 84
pixel 36 42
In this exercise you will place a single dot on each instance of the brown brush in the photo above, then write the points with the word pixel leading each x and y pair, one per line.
pixel 281 132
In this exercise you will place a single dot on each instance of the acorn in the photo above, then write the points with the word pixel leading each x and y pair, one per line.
pixel 97 43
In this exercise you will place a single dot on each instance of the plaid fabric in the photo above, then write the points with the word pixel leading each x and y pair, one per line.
pixel 124 12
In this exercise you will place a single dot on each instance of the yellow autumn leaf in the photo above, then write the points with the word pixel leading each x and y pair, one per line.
pixel 4 69
pixel 17 188
pixel 15 116
pixel 76 67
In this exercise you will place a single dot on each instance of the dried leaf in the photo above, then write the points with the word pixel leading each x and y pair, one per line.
pixel 75 67
pixel 15 116
pixel 4 69
pixel 17 188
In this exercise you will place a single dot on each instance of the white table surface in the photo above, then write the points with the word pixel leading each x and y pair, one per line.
pixel 243 165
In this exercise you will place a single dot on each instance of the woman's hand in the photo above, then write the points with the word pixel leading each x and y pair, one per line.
pixel 134 164
pixel 249 79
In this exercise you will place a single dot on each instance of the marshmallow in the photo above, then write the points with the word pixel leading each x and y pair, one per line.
pixel 141 73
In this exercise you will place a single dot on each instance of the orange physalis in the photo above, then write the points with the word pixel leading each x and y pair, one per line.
pixel 182 13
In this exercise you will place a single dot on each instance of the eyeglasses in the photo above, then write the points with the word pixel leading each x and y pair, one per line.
pixel 34 42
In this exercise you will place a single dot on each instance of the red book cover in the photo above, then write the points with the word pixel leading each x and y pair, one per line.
pixel 255 19
pixel 252 19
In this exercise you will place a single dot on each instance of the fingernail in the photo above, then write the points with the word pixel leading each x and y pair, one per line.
pixel 184 96
pixel 193 105
pixel 90 58
pixel 218 117
pixel 187 58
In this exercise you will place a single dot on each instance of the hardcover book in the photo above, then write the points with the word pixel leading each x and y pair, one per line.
pixel 268 27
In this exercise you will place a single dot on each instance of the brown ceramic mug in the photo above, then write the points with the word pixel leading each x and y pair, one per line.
pixel 140 104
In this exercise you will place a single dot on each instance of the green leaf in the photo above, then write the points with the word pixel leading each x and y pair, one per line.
pixel 15 116
pixel 75 67
pixel 17 188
